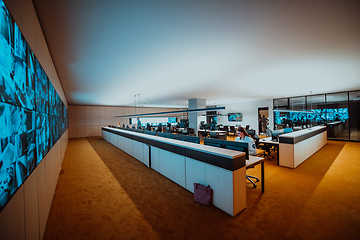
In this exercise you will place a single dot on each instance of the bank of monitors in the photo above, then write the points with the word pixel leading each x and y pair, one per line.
pixel 32 114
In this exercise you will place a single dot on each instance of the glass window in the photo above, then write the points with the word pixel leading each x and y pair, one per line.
pixel 297 119
pixel 337 115
pixel 281 119
pixel 316 104
pixel 354 115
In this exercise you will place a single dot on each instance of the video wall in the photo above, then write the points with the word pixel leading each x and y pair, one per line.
pixel 32 114
pixel 323 115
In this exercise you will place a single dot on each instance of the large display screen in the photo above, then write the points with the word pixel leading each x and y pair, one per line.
pixel 234 117
pixel 32 114
pixel 321 115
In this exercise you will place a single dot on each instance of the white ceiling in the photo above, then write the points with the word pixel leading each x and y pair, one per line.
pixel 168 51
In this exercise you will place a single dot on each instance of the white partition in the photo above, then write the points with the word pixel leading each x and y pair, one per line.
pixel 146 155
pixel 172 166
pixel 155 158
pixel 292 155
pixel 195 173
pixel 128 146
pixel 138 153
pixel 229 186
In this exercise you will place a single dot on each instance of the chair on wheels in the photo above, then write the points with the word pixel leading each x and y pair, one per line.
pixel 232 130
pixel 214 135
pixel 248 178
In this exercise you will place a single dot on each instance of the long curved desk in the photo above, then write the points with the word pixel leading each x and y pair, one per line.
pixel 187 163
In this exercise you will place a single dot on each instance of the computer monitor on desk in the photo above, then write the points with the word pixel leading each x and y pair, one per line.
pixel 275 135
pixel 238 146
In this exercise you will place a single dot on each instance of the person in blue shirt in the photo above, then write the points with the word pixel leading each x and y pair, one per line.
pixel 243 136
pixel 138 123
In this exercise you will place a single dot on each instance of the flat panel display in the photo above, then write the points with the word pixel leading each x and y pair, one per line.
pixel 234 117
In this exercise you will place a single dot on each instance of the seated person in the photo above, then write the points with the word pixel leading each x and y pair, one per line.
pixel 243 136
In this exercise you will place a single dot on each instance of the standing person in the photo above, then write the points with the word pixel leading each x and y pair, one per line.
pixel 260 128
pixel 138 123
pixel 264 122
pixel 243 136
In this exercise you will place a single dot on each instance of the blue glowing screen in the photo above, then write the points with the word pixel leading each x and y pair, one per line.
pixel 318 115
pixel 32 114
pixel 234 117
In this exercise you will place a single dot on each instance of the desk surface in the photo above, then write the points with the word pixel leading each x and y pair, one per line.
pixel 268 140
pixel 217 131
pixel 253 161
pixel 223 152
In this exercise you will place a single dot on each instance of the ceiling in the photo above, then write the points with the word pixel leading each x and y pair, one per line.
pixel 162 53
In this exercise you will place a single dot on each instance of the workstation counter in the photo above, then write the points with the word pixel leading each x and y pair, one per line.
pixel 296 147
pixel 187 163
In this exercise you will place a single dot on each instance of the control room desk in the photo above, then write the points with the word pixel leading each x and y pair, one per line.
pixel 296 147
pixel 186 163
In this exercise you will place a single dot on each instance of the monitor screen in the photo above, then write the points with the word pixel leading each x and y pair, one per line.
pixel 234 117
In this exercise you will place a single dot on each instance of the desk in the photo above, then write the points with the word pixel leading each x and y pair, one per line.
pixel 252 162
pixel 273 143
pixel 296 147
pixel 186 163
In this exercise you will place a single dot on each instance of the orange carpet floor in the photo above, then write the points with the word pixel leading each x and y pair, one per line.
pixel 103 193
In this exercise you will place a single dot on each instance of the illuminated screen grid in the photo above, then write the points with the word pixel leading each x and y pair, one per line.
pixel 32 114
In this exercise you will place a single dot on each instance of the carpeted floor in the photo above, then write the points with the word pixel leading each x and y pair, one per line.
pixel 103 193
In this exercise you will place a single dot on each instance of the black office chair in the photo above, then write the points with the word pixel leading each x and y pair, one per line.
pixel 214 135
pixel 232 130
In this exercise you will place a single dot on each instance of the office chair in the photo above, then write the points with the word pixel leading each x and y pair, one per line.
pixel 232 130
pixel 248 178
pixel 214 135
pixel 226 128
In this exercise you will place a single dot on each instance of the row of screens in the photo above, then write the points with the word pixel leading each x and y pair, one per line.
pixel 154 121
pixel 318 115
pixel 32 114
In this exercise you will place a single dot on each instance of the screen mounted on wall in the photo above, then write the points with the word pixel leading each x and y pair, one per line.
pixel 234 117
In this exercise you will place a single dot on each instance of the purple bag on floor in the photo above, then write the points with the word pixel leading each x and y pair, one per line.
pixel 203 194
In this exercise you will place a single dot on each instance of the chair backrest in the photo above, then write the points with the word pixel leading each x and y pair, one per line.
pixel 232 129
pixel 268 132
pixel 214 135
pixel 288 130
pixel 251 132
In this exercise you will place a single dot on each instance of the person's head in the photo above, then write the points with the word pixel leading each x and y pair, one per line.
pixel 241 132
pixel 263 116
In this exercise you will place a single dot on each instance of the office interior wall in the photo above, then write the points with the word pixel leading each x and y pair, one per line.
pixel 86 121
pixel 249 111
pixel 25 215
